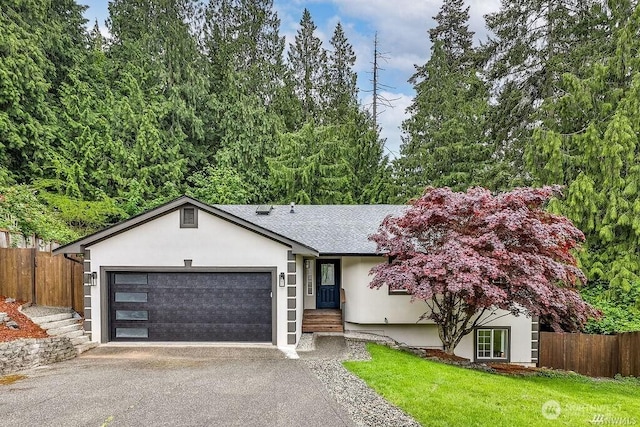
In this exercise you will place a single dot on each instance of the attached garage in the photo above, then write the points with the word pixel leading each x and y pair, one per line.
pixel 233 306
pixel 189 272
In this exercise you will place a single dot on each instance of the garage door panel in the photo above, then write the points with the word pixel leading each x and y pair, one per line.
pixel 230 306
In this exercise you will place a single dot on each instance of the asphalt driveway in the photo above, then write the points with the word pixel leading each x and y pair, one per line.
pixel 171 386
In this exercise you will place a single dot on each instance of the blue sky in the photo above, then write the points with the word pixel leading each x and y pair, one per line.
pixel 402 27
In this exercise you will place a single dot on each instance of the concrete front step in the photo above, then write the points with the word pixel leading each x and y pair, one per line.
pixel 65 330
pixel 58 324
pixel 86 346
pixel 76 341
pixel 51 318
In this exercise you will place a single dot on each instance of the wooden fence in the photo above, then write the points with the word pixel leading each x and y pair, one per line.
pixel 592 355
pixel 39 277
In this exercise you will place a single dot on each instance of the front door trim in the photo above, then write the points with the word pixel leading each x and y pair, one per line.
pixel 328 296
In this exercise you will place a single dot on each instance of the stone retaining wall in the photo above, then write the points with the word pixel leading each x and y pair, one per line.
pixel 31 352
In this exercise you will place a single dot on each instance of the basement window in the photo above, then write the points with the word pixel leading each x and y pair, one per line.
pixel 492 344
pixel 188 217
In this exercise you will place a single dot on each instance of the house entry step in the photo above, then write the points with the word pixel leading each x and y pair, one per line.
pixel 322 320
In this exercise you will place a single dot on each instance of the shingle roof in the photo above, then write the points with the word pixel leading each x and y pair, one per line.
pixel 329 229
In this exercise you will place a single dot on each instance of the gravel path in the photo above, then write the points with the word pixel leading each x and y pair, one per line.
pixel 365 406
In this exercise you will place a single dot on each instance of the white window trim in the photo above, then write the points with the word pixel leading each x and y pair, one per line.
pixel 507 355
pixel 308 277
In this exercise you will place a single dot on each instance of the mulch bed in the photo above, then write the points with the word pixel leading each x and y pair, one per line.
pixel 441 355
pixel 498 368
pixel 26 328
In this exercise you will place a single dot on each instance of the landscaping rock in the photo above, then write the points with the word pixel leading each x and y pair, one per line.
pixel 12 325
pixel 3 317
pixel 9 300
pixel 28 353
pixel 364 405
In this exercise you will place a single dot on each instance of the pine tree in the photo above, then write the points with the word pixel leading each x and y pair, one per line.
pixel 307 64
pixel 444 142
pixel 589 142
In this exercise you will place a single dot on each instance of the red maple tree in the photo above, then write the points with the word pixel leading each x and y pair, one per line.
pixel 469 254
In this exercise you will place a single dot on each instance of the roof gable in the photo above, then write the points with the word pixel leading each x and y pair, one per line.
pixel 79 245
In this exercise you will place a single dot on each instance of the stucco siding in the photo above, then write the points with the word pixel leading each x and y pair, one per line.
pixel 374 310
pixel 366 305
pixel 162 243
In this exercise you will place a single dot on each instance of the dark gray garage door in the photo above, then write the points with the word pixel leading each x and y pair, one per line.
pixel 229 306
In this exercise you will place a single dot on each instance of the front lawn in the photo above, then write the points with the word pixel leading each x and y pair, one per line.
pixel 436 394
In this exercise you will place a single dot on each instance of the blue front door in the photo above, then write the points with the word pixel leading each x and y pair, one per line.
pixel 328 283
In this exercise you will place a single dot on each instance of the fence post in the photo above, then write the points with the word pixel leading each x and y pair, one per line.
pixel 34 275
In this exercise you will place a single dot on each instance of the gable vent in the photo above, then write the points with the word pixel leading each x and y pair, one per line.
pixel 264 209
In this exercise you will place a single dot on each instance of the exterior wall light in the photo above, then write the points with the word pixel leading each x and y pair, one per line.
pixel 281 283
pixel 90 279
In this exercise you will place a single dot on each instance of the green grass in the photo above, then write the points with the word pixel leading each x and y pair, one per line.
pixel 436 394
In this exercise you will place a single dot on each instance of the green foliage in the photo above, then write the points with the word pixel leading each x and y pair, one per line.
pixel 589 142
pixel 221 185
pixel 22 212
pixel 444 142
pixel 312 167
pixel 307 66
pixel 620 314
pixel 82 215
pixel 26 129
pixel 534 43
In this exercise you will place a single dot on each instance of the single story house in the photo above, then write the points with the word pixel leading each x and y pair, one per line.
pixel 188 271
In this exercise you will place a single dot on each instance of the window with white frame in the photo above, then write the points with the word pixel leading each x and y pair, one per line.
pixel 308 276
pixel 492 343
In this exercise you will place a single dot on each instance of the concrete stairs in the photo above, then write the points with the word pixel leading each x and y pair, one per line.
pixel 66 325
pixel 322 320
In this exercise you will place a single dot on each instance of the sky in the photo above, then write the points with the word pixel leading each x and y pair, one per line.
pixel 402 27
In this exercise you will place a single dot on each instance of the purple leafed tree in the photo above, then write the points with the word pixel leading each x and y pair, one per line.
pixel 466 255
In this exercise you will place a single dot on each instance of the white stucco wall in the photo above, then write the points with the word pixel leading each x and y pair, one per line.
pixel 215 243
pixel 376 311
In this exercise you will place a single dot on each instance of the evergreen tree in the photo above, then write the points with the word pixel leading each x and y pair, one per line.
pixel 589 142
pixel 312 167
pixel 243 37
pixel 307 63
pixel 27 123
pixel 444 144
pixel 535 42
pixel 340 91
pixel 154 41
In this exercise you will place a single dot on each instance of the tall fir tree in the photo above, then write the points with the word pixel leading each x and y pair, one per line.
pixel 27 120
pixel 589 141
pixel 340 92
pixel 533 44
pixel 157 40
pixel 307 65
pixel 444 144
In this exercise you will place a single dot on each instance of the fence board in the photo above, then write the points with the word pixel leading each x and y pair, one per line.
pixel 58 281
pixel 630 354
pixel 592 355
